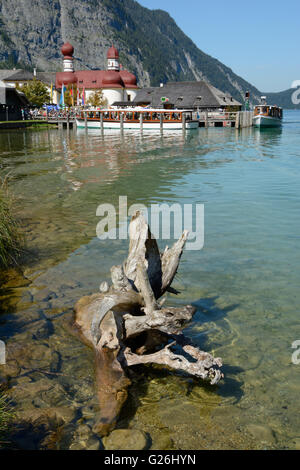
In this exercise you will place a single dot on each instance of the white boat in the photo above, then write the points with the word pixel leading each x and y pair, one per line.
pixel 137 118
pixel 267 116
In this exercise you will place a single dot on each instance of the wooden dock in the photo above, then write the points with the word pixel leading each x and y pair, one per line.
pixel 237 120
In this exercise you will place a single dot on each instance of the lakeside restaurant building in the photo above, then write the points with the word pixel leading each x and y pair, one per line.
pixel 115 84
pixel 197 96
pixel 12 102
pixel 14 77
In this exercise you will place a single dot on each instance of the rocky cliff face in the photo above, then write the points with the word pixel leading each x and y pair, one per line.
pixel 150 43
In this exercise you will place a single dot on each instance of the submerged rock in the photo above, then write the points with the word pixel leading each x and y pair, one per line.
pixel 39 428
pixel 126 439
pixel 296 443
pixel 76 436
pixel 262 433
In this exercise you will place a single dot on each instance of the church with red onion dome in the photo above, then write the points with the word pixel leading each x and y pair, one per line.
pixel 116 84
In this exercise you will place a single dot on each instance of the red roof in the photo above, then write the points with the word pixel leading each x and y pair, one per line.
pixel 128 78
pixel 112 53
pixel 95 79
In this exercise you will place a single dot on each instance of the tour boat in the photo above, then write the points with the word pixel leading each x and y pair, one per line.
pixel 136 118
pixel 267 116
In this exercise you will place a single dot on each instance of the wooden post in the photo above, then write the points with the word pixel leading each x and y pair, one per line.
pixel 237 120
pixel 68 121
pixel 85 120
pixel 141 121
pixel 122 121
pixel 161 122
pixel 101 122
pixel 183 121
pixel 206 119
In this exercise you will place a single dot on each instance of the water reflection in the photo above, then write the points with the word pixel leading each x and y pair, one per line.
pixel 244 282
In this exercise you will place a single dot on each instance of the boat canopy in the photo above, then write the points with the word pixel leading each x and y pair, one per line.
pixel 265 110
pixel 137 110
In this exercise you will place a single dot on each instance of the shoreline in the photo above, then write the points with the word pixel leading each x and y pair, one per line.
pixel 24 124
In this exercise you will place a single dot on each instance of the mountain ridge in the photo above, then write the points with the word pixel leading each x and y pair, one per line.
pixel 150 43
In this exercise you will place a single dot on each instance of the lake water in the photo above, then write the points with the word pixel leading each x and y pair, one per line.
pixel 245 282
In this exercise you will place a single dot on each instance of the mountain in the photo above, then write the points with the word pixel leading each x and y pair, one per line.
pixel 150 43
pixel 283 99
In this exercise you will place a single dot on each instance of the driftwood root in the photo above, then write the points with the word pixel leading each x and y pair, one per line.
pixel 128 309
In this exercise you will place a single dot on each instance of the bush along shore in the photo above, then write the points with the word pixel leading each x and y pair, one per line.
pixel 10 238
pixel 10 242
pixel 6 417
pixel 25 124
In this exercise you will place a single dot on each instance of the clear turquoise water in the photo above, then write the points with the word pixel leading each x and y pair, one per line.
pixel 245 281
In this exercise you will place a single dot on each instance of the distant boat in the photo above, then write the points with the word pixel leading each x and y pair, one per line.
pixel 136 118
pixel 266 115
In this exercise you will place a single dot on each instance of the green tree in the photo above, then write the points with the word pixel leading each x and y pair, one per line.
pixel 97 99
pixel 36 92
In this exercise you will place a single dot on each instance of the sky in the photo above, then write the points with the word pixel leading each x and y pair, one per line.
pixel 258 40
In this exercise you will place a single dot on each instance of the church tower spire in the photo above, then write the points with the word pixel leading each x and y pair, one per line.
pixel 113 59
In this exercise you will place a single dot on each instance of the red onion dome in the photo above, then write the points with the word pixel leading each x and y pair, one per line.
pixel 67 49
pixel 112 53
pixel 112 78
pixel 128 78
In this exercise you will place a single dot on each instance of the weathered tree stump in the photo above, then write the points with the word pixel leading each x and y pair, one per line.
pixel 114 321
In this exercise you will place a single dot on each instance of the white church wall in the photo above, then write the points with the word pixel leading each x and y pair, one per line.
pixel 132 93
pixel 113 95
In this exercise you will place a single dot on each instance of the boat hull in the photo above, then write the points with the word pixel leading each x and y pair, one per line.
pixel 266 121
pixel 136 125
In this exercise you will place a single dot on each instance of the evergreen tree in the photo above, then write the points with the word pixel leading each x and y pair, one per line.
pixel 36 92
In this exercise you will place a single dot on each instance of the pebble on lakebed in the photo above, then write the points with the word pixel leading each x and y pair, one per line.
pixel 126 439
